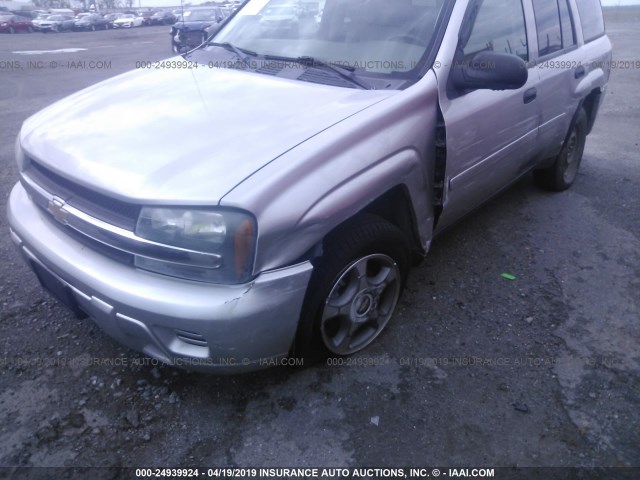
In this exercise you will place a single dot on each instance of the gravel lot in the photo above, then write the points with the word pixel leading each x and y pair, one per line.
pixel 555 375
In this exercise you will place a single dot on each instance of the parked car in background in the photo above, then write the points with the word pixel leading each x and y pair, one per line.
pixel 178 12
pixel 15 24
pixel 57 23
pixel 91 22
pixel 109 19
pixel 197 24
pixel 127 20
pixel 146 16
pixel 280 19
pixel 164 17
pixel 36 22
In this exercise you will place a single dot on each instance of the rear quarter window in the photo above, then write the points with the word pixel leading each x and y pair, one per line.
pixel 591 19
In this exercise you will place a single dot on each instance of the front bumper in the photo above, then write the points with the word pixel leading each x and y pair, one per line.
pixel 220 328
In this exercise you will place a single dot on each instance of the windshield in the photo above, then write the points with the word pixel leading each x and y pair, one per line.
pixel 373 37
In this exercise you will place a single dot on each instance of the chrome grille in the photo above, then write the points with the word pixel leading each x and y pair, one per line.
pixel 107 209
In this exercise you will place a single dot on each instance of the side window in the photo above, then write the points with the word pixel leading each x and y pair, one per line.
pixel 591 19
pixel 568 33
pixel 548 26
pixel 499 27
pixel 554 26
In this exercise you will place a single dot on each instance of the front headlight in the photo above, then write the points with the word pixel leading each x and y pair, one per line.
pixel 226 237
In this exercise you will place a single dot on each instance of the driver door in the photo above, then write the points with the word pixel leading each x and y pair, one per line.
pixel 490 134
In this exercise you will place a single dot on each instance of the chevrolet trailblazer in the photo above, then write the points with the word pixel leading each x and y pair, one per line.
pixel 267 196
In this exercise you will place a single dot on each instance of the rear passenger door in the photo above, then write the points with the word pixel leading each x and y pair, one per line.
pixel 559 67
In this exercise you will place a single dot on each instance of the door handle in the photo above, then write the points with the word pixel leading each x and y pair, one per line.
pixel 580 72
pixel 530 95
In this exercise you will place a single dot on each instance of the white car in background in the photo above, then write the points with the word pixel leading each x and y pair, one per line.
pixel 40 18
pixel 127 20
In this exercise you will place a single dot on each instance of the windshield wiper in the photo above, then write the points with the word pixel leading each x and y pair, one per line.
pixel 240 52
pixel 344 71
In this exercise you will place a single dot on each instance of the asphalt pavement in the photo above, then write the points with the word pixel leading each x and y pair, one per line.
pixel 474 370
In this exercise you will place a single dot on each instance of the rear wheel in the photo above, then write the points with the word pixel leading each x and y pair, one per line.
pixel 354 288
pixel 562 174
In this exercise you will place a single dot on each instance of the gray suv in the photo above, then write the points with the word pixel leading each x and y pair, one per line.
pixel 272 204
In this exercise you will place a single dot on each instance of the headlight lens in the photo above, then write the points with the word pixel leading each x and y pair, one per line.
pixel 230 235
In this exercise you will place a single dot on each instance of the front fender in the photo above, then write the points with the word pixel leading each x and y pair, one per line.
pixel 316 186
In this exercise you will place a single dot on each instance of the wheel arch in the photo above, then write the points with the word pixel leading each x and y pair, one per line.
pixel 394 206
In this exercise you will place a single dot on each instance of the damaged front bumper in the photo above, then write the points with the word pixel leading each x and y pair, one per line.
pixel 197 326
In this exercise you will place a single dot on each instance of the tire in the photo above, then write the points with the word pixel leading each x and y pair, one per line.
pixel 30 29
pixel 354 288
pixel 562 174
pixel 93 28
pixel 12 30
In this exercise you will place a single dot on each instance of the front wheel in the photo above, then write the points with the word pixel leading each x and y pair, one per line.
pixel 12 30
pixel 562 174
pixel 354 289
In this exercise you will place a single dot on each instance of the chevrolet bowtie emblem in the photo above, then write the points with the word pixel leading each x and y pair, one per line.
pixel 56 208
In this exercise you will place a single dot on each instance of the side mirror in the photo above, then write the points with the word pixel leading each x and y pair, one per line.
pixel 490 71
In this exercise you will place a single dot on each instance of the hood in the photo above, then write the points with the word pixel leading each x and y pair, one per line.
pixel 177 136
